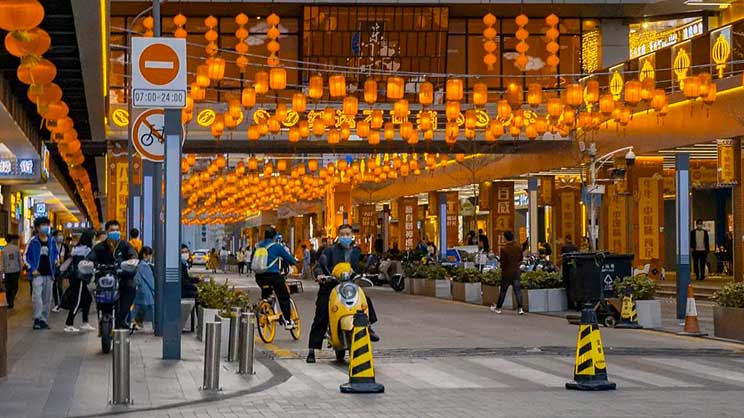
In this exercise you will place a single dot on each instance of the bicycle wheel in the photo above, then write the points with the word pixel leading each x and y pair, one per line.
pixel 146 139
pixel 295 332
pixel 266 327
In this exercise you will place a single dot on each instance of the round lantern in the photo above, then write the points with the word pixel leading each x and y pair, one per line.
pixel 503 110
pixel 691 89
pixel 329 116
pixel 389 131
pixel 514 94
pixel 426 93
pixel 17 15
pixel 261 83
pixel 400 109
pixel 574 95
pixel 406 128
pixel 541 125
pixel 202 75
pixel 318 127
pixel 337 85
pixel 555 108
pixel 632 92
pixel 530 132
pixel 278 78
pixel 452 131
pixel 606 104
pixel 470 119
pixel 304 127
pixel 648 85
pixel 333 136
pixel 248 97
pixel 281 112
pixel 376 120
pixel 345 131
pixel 658 99
pixel 452 110
pixel 480 94
pixel 496 128
pixel 395 88
pixel 34 42
pixel 197 93
pixel 454 89
pixel 351 106
pixel 43 94
pixel 299 103
pixel 370 91
pixel 362 129
pixel 374 137
pixel 315 87
pixel 216 68
pixel 710 97
pixel 534 94
pixel 294 134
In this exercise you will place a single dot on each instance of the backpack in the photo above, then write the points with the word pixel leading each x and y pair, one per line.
pixel 260 262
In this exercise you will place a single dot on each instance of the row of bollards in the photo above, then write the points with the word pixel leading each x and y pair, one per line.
pixel 240 349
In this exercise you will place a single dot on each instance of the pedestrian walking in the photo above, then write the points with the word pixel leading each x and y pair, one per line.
pixel 59 289
pixel 212 261
pixel 41 259
pixel 240 258
pixel 144 279
pixel 77 297
pixel 224 254
pixel 699 246
pixel 305 262
pixel 11 268
pixel 134 239
pixel 511 258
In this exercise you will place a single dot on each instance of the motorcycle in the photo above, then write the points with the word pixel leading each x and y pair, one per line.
pixel 385 271
pixel 534 263
pixel 107 294
pixel 346 299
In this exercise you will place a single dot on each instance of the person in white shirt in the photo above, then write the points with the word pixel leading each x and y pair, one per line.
pixel 699 246
pixel 224 254
pixel 240 258
pixel 11 268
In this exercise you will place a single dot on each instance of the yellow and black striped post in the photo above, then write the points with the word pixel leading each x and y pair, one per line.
pixel 590 371
pixel 361 363
pixel 628 315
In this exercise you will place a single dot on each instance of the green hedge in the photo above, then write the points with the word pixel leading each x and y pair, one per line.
pixel 730 296
pixel 642 286
pixel 463 275
pixel 541 280
pixel 222 296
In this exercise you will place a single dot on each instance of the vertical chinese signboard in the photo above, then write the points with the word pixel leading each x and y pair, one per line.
pixel 502 212
pixel 118 189
pixel 545 191
pixel 648 210
pixel 484 195
pixel 567 214
pixel 726 171
pixel 407 218
pixel 368 221
pixel 453 207
pixel 617 220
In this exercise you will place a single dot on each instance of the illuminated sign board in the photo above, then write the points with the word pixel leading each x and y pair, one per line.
pixel 45 161
pixel 22 168
pixel 40 209
pixel 646 41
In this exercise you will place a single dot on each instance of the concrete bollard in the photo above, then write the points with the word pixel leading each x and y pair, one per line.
pixel 246 343
pixel 232 348
pixel 213 333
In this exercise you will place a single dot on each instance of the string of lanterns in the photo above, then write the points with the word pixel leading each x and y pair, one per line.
pixel 28 42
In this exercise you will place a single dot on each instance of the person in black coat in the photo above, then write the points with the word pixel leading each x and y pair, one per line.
pixel 699 246
pixel 188 283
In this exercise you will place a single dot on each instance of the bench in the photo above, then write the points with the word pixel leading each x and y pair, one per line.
pixel 187 311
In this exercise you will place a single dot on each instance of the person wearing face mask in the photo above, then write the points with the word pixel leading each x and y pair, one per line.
pixel 144 279
pixel 41 260
pixel 58 289
pixel 269 277
pixel 188 283
pixel 343 251
pixel 77 298
pixel 113 251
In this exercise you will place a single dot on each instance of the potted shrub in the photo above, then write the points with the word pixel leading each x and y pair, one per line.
pixel 728 314
pixel 410 272
pixel 466 286
pixel 490 282
pixel 542 291
pixel 644 289
pixel 418 279
pixel 216 302
pixel 435 275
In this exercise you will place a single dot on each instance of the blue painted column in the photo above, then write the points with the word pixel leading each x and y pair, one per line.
pixel 682 176
pixel 532 228
pixel 442 218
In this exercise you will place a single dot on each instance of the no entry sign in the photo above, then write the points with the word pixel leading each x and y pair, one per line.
pixel 158 72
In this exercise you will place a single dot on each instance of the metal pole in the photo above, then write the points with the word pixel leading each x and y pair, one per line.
pixel 232 351
pixel 246 343
pixel 212 356
pixel 592 214
pixel 121 367
pixel 532 213
pixel 442 226
pixel 682 172
pixel 385 227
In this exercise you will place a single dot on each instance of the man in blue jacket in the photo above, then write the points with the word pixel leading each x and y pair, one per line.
pixel 41 259
pixel 272 278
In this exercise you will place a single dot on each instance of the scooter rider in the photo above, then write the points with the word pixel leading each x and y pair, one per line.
pixel 272 278
pixel 112 251
pixel 342 251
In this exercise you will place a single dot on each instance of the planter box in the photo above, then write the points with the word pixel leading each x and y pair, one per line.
pixel 418 286
pixel 490 294
pixel 409 286
pixel 728 322
pixel 649 313
pixel 443 289
pixel 430 288
pixel 557 301
pixel 205 314
pixel 467 292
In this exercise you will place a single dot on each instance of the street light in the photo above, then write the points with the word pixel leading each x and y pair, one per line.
pixel 597 164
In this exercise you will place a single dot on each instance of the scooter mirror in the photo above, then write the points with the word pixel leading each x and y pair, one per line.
pixel 363 282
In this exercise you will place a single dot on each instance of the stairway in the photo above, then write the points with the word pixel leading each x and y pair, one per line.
pixel 703 289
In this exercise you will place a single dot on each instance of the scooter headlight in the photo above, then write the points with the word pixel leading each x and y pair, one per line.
pixel 349 291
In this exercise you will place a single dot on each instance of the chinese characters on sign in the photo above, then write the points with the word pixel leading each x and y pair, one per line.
pixel 726 171
pixel 503 212
pixel 453 208
pixel 617 237
pixel 17 168
pixel 368 220
pixel 407 218
pixel 568 215
pixel 648 213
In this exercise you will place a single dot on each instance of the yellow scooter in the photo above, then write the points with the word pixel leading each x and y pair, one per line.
pixel 346 299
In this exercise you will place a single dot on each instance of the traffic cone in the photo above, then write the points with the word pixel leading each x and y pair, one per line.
pixel 692 327
pixel 629 315
pixel 361 363
pixel 590 372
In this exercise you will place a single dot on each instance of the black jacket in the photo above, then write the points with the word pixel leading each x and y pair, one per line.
pixel 693 240
pixel 102 253
pixel 336 254
pixel 188 285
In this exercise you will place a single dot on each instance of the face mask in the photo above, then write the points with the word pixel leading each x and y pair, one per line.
pixel 185 256
pixel 345 241
pixel 114 235
pixel 45 229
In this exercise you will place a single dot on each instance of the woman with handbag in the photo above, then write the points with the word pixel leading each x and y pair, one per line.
pixel 77 297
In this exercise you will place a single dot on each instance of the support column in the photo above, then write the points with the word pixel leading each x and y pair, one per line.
pixel 385 228
pixel 442 221
pixel 682 167
pixel 532 228
pixel 737 203
pixel 171 325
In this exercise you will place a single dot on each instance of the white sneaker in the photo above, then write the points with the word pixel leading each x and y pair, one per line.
pixel 71 329
pixel 57 309
pixel 87 327
pixel 521 311
pixel 290 325
pixel 495 309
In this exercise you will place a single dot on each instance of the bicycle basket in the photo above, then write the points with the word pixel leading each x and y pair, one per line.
pixel 106 290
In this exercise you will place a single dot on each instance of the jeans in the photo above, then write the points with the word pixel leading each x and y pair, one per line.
pixel 275 281
pixel 141 311
pixel 505 283
pixel 223 264
pixel 11 287
pixel 42 297
pixel 698 263
pixel 58 290
pixel 126 297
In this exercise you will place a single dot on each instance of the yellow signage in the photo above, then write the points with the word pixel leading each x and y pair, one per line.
pixel 205 118
pixel 681 66
pixel 720 53
pixel 616 84
pixel 120 117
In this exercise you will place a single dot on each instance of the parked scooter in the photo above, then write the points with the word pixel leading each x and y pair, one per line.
pixel 346 299
pixel 107 294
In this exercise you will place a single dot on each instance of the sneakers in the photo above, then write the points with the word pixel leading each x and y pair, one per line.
pixel 87 327
pixel 44 325
pixel 495 309
pixel 310 357
pixel 37 324
pixel 70 328
pixel 289 325
pixel 521 311
pixel 57 309
pixel 373 336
